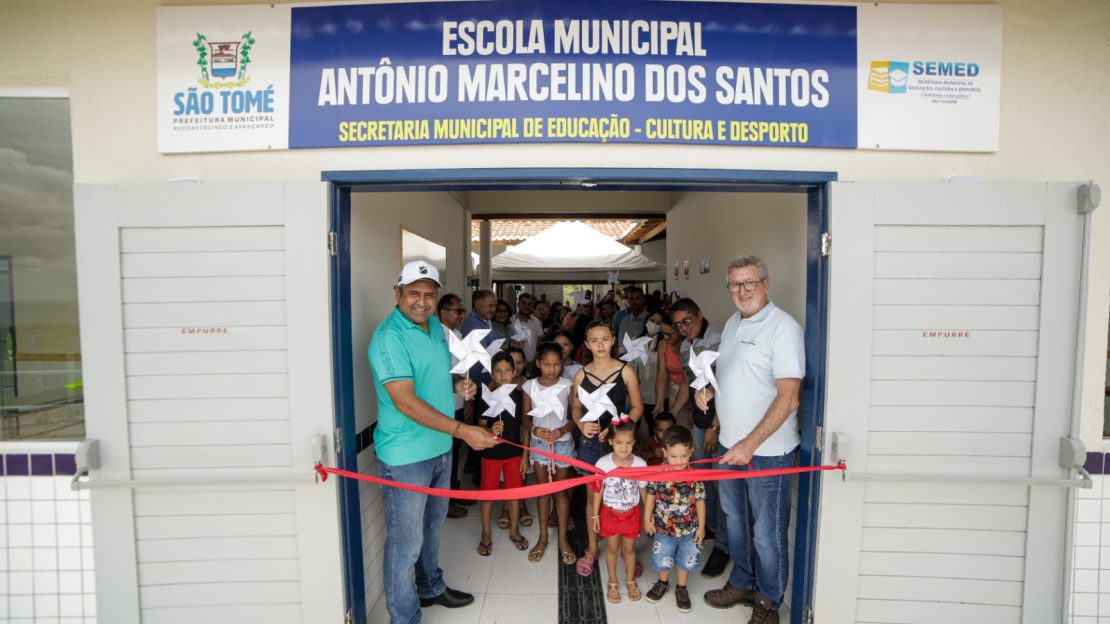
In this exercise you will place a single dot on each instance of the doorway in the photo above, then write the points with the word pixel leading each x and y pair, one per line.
pixel 452 192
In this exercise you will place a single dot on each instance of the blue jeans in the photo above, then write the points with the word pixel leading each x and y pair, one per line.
pixel 714 516
pixel 758 515
pixel 668 552
pixel 412 523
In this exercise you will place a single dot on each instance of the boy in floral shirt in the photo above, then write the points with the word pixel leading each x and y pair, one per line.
pixel 674 513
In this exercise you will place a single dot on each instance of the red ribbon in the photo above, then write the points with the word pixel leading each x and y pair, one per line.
pixel 663 473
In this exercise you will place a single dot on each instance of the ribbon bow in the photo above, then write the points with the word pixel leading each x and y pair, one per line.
pixel 621 418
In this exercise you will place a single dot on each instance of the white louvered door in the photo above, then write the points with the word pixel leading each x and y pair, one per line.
pixel 953 314
pixel 206 336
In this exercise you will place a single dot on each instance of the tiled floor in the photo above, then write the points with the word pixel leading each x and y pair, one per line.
pixel 509 589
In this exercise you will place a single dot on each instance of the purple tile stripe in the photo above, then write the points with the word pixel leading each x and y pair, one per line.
pixel 17 465
pixel 42 465
pixel 1096 463
pixel 38 465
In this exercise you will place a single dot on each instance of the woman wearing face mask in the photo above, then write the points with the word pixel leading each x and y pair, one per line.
pixel 647 372
pixel 671 390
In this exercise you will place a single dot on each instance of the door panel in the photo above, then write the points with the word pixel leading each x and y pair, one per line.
pixel 954 308
pixel 206 312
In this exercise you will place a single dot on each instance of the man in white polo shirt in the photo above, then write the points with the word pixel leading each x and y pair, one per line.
pixel 759 370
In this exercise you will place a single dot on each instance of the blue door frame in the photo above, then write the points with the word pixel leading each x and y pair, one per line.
pixel 811 412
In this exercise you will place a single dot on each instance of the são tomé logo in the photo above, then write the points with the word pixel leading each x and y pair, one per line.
pixel 223 64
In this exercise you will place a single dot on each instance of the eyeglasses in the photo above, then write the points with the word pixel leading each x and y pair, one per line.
pixel 748 286
pixel 684 323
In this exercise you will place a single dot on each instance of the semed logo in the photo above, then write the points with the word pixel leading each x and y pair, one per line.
pixel 888 76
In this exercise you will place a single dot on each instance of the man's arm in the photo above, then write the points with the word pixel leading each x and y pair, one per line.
pixel 786 401
pixel 403 394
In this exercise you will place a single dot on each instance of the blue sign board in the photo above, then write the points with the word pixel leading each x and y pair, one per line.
pixel 551 72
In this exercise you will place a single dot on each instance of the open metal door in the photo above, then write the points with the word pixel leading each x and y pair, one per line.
pixel 953 316
pixel 206 338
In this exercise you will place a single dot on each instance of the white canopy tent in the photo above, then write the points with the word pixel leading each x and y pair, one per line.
pixel 572 251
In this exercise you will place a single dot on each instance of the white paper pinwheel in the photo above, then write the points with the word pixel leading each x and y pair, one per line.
pixel 494 347
pixel 469 351
pixel 613 277
pixel 498 400
pixel 636 348
pixel 597 402
pixel 580 298
pixel 521 332
pixel 701 365
pixel 550 400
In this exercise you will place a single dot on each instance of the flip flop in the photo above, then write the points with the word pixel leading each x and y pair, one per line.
pixel 485 548
pixel 585 564
pixel 536 554
pixel 521 543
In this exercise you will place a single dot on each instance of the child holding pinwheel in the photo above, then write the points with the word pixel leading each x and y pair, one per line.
pixel 550 427
pixel 501 408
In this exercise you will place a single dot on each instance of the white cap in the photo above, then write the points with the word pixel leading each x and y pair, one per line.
pixel 418 270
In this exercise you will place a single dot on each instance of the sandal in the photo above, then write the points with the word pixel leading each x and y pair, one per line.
pixel 503 521
pixel 485 548
pixel 536 554
pixel 521 542
pixel 568 557
pixel 633 590
pixel 613 594
pixel 525 519
pixel 585 564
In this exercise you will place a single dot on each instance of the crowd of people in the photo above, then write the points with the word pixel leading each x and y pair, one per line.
pixel 558 384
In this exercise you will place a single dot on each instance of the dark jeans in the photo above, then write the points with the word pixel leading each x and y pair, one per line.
pixel 412 523
pixel 758 514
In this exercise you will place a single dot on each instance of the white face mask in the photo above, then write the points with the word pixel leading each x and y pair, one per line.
pixel 652 328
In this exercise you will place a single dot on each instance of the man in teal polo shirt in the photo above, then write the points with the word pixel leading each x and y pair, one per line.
pixel 412 377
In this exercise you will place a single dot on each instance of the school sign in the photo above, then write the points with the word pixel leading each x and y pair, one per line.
pixel 355 75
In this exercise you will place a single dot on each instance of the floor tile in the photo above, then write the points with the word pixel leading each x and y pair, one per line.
pixel 513 573
pixel 520 608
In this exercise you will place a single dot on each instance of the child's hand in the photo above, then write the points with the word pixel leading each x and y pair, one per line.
pixel 659 452
pixel 649 526
pixel 597 525
pixel 498 427
pixel 524 464
pixel 589 429
pixel 699 535
pixel 601 437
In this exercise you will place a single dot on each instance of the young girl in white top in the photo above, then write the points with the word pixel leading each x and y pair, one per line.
pixel 551 426
pixel 616 512
pixel 570 367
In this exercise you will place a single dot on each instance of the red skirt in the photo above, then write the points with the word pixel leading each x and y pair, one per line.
pixel 626 523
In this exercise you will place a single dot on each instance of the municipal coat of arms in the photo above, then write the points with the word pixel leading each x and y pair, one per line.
pixel 223 64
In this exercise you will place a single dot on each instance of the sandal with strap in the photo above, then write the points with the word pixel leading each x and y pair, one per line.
pixel 536 554
pixel 633 591
pixel 525 519
pixel 613 593
pixel 503 521
pixel 568 557
pixel 585 564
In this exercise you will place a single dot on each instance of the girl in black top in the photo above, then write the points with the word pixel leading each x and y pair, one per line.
pixel 602 369
pixel 503 460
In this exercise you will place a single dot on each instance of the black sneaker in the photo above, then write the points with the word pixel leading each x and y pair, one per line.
pixel 716 564
pixel 657 591
pixel 682 598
